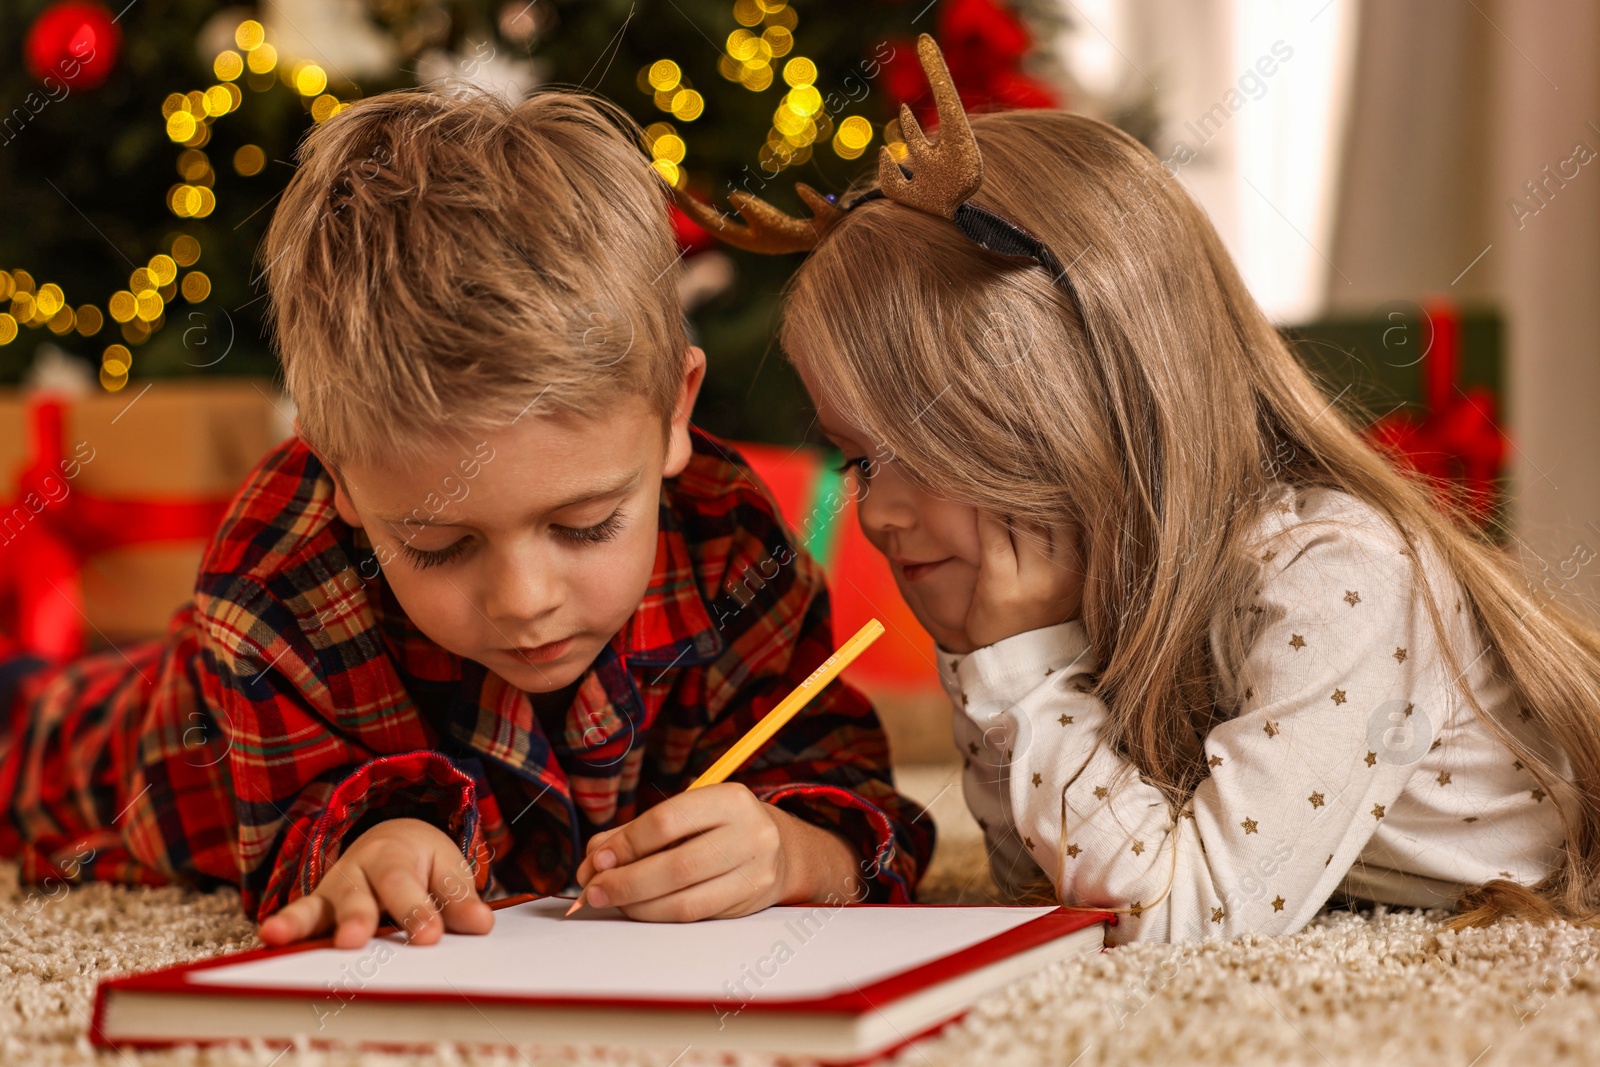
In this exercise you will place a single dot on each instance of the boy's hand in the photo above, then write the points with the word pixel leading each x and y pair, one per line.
pixel 406 867
pixel 713 853
pixel 1029 577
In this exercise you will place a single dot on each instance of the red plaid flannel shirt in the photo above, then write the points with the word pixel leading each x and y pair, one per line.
pixel 293 703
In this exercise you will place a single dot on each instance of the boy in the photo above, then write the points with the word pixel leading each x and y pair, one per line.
pixel 495 598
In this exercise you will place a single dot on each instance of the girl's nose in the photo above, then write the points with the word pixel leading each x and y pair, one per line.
pixel 886 503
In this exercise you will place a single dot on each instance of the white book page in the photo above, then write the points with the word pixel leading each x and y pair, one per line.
pixel 778 954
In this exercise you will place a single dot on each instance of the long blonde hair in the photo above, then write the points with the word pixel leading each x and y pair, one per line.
pixel 1155 421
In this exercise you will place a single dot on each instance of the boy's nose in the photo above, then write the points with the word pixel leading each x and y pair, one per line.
pixel 517 595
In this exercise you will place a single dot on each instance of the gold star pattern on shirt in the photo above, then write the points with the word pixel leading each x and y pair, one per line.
pixel 1338 696
pixel 1377 811
pixel 1296 642
pixel 1399 654
pixel 1316 800
pixel 1409 709
pixel 1444 777
pixel 1516 764
pixel 1072 851
pixel 1352 597
pixel 1065 720
pixel 1271 728
pixel 1249 826
pixel 1137 848
pixel 1214 761
pixel 1277 903
pixel 1372 759
pixel 1250 692
pixel 1135 909
pixel 1101 792
pixel 1470 818
pixel 1216 915
pixel 1436 743
pixel 1027 843
pixel 972 747
pixel 1328 860
pixel 1038 779
pixel 1266 557
pixel 1048 671
pixel 1537 794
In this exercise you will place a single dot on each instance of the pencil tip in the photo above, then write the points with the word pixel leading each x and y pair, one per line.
pixel 576 904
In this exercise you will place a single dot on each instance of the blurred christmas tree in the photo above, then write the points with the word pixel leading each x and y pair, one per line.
pixel 141 152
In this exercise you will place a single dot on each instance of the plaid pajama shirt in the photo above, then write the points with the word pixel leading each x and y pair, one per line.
pixel 292 704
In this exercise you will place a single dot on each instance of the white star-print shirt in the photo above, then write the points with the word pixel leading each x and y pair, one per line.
pixel 1352 766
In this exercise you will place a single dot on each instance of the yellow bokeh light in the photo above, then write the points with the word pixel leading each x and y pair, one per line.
pixel 22 306
pixel 8 329
pixel 207 204
pixel 180 126
pixel 249 160
pixel 688 105
pixel 185 250
pixel 7 286
pixel 184 200
pixel 664 75
pixel 778 39
pixel 787 121
pixel 22 280
pixel 324 108
pixel 783 16
pixel 310 80
pixel 148 305
pixel 196 286
pixel 263 59
pixel 805 100
pixel 109 381
pixel 227 66
pixel 173 103
pixel 729 68
pixel 771 7
pixel 799 71
pixel 218 101
pixel 755 78
pixel 747 12
pixel 63 321
pixel 193 164
pixel 50 299
pixel 122 306
pixel 197 102
pixel 667 169
pixel 250 35
pixel 671 148
pixel 163 269
pixel 855 132
pixel 90 320
pixel 653 133
pixel 742 45
pixel 897 150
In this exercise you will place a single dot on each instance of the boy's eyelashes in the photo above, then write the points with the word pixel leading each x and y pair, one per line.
pixel 600 532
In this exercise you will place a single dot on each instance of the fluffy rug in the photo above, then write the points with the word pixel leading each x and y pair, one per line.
pixel 1353 988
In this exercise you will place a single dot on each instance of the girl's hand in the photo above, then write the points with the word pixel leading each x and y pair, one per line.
pixel 406 867
pixel 1028 577
pixel 712 853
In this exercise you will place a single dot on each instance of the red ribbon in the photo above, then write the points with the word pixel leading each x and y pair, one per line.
pixel 1457 436
pixel 51 527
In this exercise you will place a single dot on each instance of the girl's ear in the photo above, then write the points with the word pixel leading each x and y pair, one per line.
pixel 679 446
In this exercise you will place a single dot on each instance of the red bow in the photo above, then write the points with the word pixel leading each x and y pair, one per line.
pixel 51 527
pixel 1456 437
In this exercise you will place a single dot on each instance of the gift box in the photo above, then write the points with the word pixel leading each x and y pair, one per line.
pixel 107 502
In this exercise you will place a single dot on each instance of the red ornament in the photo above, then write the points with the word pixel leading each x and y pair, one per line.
pixel 984 44
pixel 73 43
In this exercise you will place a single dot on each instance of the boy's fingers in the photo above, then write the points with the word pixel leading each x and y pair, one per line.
pixel 714 898
pixel 669 822
pixel 401 893
pixel 464 912
pixel 671 870
pixel 297 921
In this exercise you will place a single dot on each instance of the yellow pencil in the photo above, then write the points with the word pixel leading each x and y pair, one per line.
pixel 774 720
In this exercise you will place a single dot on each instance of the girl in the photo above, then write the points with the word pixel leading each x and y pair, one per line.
pixel 1213 659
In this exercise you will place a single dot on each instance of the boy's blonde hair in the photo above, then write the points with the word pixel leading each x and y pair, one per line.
pixel 1156 419
pixel 442 263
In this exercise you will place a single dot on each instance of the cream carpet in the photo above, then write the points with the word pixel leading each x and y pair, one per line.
pixel 1351 989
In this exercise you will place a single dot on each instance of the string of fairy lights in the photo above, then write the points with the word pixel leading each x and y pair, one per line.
pixel 140 310
pixel 766 34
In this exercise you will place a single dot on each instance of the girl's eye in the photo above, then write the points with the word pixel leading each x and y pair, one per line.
pixel 422 560
pixel 599 532
pixel 861 464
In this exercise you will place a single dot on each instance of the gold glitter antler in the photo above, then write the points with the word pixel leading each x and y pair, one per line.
pixel 765 228
pixel 944 173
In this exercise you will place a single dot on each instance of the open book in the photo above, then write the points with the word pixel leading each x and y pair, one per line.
pixel 828 982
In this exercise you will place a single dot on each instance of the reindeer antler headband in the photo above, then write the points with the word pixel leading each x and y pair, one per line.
pixel 939 178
